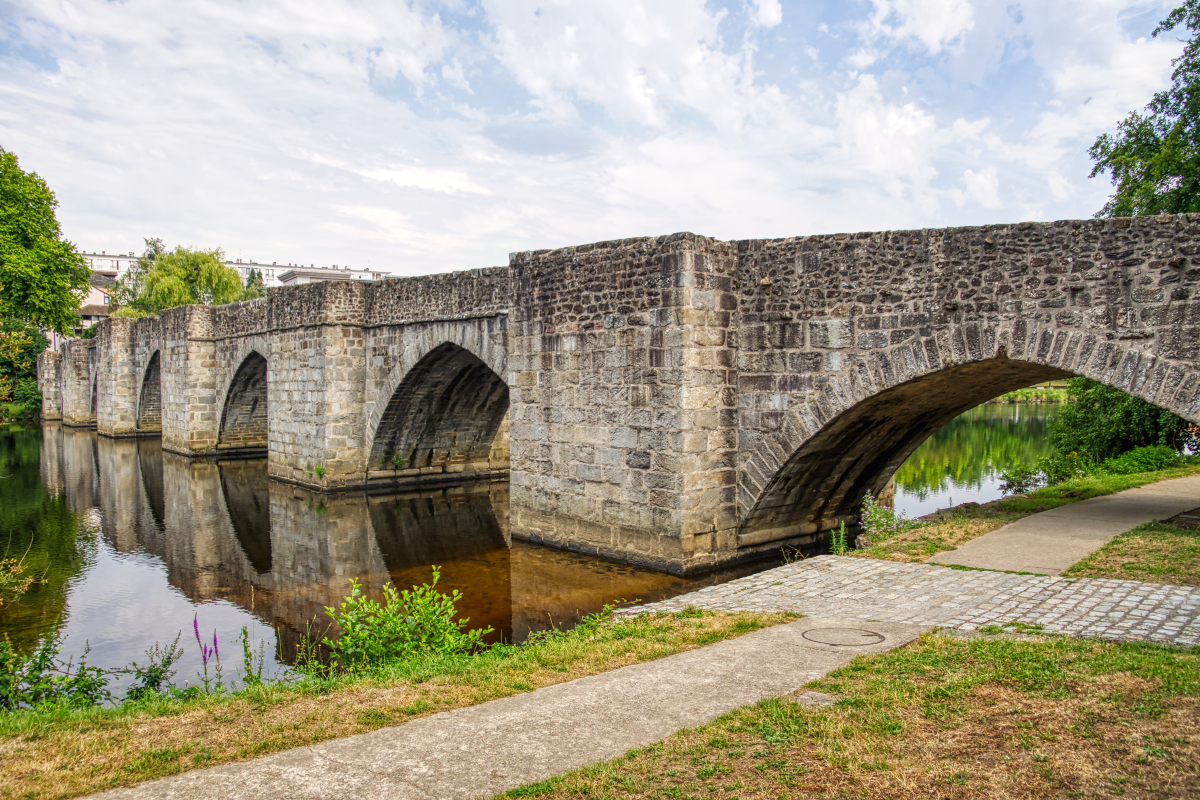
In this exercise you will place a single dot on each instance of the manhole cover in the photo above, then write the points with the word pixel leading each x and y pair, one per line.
pixel 843 637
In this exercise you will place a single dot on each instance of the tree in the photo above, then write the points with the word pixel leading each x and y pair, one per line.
pixel 1154 158
pixel 1154 161
pixel 255 287
pixel 129 287
pixel 42 278
pixel 164 279
pixel 1103 422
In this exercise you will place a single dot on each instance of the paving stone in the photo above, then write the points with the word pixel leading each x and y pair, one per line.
pixel 839 586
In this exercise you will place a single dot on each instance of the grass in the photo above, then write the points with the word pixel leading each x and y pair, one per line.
pixel 956 526
pixel 59 753
pixel 946 717
pixel 1156 552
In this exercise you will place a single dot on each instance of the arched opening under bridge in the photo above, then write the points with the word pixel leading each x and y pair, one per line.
pixel 149 410
pixel 823 482
pixel 244 415
pixel 447 415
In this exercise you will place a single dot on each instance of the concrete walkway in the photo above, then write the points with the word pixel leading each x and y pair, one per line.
pixel 491 748
pixel 1050 542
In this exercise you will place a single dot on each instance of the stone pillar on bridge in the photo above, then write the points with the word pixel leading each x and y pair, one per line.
pixel 190 410
pixel 316 370
pixel 49 378
pixel 116 379
pixel 624 408
pixel 77 382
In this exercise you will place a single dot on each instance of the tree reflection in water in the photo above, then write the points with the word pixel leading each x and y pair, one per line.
pixel 964 458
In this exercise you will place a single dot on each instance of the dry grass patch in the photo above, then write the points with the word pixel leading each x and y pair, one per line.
pixel 1156 552
pixel 63 753
pixel 949 529
pixel 993 717
pixel 916 545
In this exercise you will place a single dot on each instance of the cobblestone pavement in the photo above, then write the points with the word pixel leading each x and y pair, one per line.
pixel 886 591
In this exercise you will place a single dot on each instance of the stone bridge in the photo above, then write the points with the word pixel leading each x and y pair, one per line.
pixel 679 402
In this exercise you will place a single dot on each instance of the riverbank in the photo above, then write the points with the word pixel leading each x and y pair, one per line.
pixel 951 528
pixel 949 716
pixel 62 752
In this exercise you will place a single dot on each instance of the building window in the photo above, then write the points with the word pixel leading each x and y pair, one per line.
pixel 105 299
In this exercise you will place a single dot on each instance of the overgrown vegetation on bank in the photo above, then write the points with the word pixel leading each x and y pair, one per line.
pixel 1034 395
pixel 945 717
pixel 1104 431
pixel 403 658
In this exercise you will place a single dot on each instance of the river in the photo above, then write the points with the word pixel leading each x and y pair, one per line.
pixel 132 546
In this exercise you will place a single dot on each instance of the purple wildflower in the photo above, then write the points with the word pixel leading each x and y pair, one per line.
pixel 205 650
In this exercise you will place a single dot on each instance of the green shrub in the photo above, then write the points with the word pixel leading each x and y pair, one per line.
pixel 42 679
pixel 1143 459
pixel 416 623
pixel 1020 478
pixel 880 523
pixel 1062 467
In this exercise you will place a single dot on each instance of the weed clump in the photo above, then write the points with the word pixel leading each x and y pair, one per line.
pixel 408 624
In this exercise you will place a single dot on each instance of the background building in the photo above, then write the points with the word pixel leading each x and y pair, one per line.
pixel 291 274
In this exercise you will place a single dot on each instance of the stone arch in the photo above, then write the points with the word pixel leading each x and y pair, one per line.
pixel 244 414
pixel 446 411
pixel 416 342
pixel 812 472
pixel 149 408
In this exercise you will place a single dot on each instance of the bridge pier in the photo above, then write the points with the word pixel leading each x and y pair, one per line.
pixel 116 379
pixel 49 378
pixel 76 370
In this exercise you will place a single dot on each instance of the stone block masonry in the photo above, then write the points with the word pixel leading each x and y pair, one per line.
pixel 679 401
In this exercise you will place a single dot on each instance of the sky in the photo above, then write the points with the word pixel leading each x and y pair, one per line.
pixel 415 136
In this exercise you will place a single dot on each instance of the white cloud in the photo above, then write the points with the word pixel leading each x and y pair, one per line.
pixel 767 13
pixel 983 187
pixel 936 24
pixel 421 137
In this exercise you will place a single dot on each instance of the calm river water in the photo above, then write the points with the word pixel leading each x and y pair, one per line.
pixel 130 544
pixel 962 462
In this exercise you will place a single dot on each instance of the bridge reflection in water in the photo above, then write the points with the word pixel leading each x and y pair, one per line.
pixel 224 531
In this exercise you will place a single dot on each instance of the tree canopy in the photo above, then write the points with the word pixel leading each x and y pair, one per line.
pixel 42 278
pixel 1154 157
pixel 1103 422
pixel 163 279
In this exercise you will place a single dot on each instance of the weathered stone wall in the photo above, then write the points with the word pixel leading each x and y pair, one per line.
pixel 436 399
pixel 244 419
pixel 623 406
pixel 188 364
pixel 117 378
pixel 148 341
pixel 149 408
